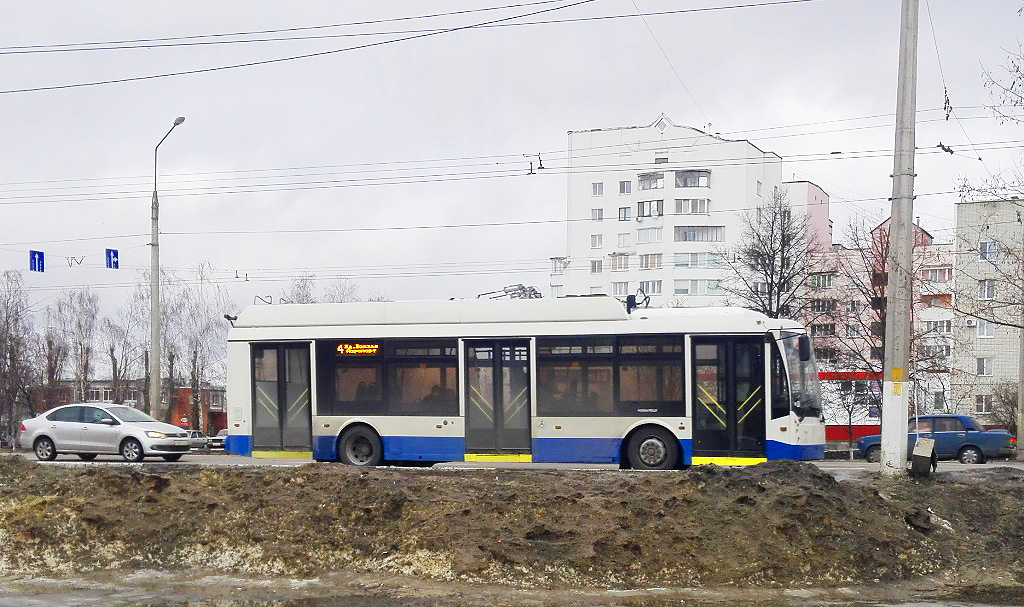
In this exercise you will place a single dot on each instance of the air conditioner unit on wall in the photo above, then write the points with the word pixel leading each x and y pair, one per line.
pixel 972 322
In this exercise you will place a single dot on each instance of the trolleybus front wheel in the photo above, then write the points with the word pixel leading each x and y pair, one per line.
pixel 653 448
pixel 360 446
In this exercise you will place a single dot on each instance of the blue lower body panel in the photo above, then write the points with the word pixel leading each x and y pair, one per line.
pixel 424 449
pixel 577 450
pixel 325 448
pixel 685 451
pixel 238 444
pixel 776 450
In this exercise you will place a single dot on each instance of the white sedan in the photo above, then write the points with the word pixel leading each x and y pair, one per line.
pixel 89 429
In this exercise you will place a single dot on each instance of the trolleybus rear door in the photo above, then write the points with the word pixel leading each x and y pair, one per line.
pixel 281 399
pixel 728 399
pixel 497 384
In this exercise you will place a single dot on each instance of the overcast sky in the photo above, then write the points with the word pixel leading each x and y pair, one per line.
pixel 432 131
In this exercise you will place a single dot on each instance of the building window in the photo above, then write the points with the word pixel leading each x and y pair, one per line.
pixel 93 395
pixel 620 262
pixel 692 206
pixel 939 400
pixel 823 280
pixel 625 213
pixel 693 179
pixel 651 261
pixel 852 331
pixel 650 208
pixel 935 351
pixel 986 328
pixel 620 289
pixel 757 188
pixel 877 353
pixel 698 260
pixel 625 187
pixel 938 326
pixel 984 366
pixel 651 287
pixel 660 159
pixel 651 181
pixel 988 251
pixel 853 305
pixel 559 264
pixel 760 288
pixel 878 329
pixel 879 303
pixel 697 287
pixel 596 266
pixel 699 233
pixel 556 290
pixel 597 189
pixel 823 329
pixel 648 235
pixel 596 291
pixel 983 403
pixel 987 289
pixel 825 355
pixel 823 305
pixel 596 240
pixel 596 214
pixel 624 240
pixel 879 279
pixel 937 274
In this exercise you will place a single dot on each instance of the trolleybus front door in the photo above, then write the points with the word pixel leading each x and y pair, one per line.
pixel 497 385
pixel 280 389
pixel 728 398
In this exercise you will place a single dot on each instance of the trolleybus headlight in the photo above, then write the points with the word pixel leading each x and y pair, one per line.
pixel 155 434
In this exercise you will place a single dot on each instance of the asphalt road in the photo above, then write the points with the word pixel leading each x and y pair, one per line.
pixel 838 468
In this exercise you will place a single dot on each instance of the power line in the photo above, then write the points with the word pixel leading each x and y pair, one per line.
pixel 293 57
pixel 513 158
pixel 76 197
pixel 150 42
pixel 158 42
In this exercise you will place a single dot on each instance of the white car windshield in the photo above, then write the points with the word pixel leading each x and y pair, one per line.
pixel 127 414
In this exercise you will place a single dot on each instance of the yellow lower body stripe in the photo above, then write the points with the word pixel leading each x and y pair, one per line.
pixel 504 458
pixel 729 461
pixel 283 455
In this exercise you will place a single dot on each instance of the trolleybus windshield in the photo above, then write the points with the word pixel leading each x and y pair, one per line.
pixel 803 377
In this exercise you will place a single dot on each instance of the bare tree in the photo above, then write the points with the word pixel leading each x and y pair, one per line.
pixel 196 317
pixel 769 266
pixel 341 290
pixel 302 289
pixel 76 315
pixel 124 337
pixel 1004 406
pixel 17 345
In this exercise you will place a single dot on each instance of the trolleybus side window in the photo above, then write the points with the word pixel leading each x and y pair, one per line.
pixel 351 377
pixel 421 378
pixel 575 376
pixel 650 371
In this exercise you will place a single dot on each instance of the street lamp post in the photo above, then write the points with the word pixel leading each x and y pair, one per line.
pixel 154 288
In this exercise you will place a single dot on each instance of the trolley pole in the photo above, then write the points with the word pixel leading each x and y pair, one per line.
pixel 899 264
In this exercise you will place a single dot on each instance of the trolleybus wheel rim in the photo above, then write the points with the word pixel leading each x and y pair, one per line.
pixel 360 450
pixel 652 451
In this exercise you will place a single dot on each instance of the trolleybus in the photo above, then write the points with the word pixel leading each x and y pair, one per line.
pixel 545 380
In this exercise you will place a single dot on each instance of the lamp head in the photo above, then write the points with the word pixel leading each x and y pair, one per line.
pixel 179 120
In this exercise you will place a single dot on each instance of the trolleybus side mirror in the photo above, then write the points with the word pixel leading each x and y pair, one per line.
pixel 804 346
pixel 630 303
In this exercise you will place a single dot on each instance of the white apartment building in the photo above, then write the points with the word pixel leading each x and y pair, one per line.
pixel 988 284
pixel 654 208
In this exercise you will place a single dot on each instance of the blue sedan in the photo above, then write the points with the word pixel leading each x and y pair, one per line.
pixel 956 437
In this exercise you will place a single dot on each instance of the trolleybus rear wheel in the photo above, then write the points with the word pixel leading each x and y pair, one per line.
pixel 653 448
pixel 360 446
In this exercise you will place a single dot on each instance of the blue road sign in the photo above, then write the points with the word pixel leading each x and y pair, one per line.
pixel 36 262
pixel 112 259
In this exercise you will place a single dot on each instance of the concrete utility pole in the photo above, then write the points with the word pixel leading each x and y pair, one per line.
pixel 899 265
pixel 154 289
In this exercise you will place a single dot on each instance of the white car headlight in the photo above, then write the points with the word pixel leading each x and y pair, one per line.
pixel 155 434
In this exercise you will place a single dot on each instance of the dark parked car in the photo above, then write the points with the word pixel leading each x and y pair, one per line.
pixel 956 437
pixel 217 442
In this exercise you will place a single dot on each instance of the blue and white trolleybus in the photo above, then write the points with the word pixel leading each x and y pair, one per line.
pixel 542 380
